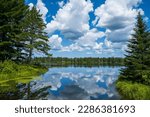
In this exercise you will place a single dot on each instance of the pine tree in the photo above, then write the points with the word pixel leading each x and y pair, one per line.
pixel 11 14
pixel 21 31
pixel 138 54
pixel 35 37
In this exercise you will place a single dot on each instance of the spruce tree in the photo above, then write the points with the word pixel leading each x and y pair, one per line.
pixel 138 54
pixel 35 37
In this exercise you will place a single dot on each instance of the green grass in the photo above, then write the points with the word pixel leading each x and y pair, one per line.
pixel 19 73
pixel 133 91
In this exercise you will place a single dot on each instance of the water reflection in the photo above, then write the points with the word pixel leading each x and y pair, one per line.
pixel 72 83
pixel 81 83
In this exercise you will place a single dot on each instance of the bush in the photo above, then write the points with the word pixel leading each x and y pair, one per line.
pixel 133 91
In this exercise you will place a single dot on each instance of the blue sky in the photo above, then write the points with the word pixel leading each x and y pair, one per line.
pixel 90 28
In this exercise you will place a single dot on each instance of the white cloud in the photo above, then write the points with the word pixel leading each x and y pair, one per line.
pixel 43 10
pixel 72 47
pixel 118 16
pixel 131 3
pixel 55 42
pixel 108 43
pixel 87 80
pixel 120 35
pixel 51 27
pixel 117 45
pixel 30 5
pixel 87 42
pixel 72 19
pixel 89 39
pixel 61 3
pixel 124 48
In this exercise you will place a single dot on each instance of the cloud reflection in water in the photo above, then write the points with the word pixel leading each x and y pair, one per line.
pixel 80 83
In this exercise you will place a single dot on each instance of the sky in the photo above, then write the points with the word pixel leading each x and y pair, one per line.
pixel 90 28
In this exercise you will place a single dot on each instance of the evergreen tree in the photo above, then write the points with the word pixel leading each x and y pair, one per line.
pixel 138 55
pixel 21 31
pixel 35 37
pixel 12 13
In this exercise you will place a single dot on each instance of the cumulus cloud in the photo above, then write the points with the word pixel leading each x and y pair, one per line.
pixel 72 19
pixel 89 39
pixel 55 42
pixel 87 42
pixel 116 14
pixel 121 35
pixel 118 17
pixel 42 8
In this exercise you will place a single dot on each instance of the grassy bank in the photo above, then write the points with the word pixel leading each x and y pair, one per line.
pixel 10 71
pixel 14 77
pixel 133 91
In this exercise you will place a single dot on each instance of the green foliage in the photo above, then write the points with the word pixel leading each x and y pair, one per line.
pixel 12 74
pixel 137 61
pixel 59 61
pixel 35 37
pixel 21 31
pixel 134 80
pixel 8 67
pixel 15 76
pixel 10 71
pixel 145 77
pixel 133 91
pixel 12 13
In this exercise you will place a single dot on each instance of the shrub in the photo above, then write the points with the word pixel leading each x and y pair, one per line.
pixel 133 91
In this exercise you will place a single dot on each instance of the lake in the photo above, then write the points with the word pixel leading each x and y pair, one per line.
pixel 72 83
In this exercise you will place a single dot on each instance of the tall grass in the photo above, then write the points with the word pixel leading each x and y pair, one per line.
pixel 133 91
pixel 9 70
pixel 12 74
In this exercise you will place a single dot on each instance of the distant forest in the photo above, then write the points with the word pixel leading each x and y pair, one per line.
pixel 89 61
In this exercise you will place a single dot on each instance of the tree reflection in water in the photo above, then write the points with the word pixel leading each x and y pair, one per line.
pixel 14 91
pixel 73 83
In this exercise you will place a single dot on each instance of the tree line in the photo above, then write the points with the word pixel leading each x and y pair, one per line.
pixel 89 61
pixel 21 31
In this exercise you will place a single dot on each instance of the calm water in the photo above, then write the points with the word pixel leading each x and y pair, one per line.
pixel 73 83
